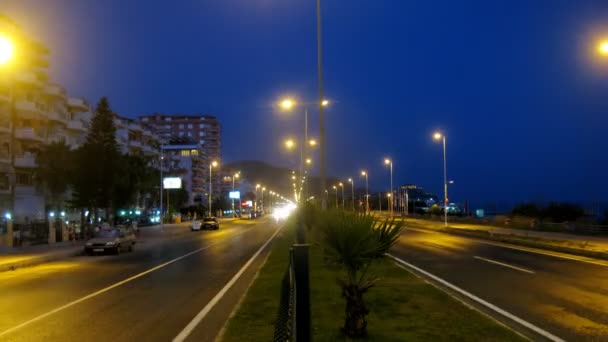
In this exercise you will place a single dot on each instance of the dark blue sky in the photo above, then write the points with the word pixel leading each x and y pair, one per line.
pixel 513 83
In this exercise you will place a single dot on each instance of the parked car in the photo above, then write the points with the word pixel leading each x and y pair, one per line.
pixel 113 240
pixel 196 225
pixel 247 215
pixel 211 223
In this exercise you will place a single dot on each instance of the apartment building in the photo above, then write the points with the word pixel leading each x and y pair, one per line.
pixel 187 162
pixel 136 138
pixel 33 112
pixel 204 131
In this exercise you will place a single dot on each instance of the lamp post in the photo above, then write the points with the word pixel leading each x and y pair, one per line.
pixel 336 188
pixel 352 188
pixel 602 47
pixel 235 176
pixel 365 174
pixel 263 189
pixel 7 54
pixel 211 166
pixel 160 214
pixel 255 204
pixel 389 162
pixel 342 186
pixel 441 137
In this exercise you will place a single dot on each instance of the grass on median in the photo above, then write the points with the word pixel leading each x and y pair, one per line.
pixel 402 307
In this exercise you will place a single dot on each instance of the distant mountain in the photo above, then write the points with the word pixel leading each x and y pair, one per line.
pixel 276 178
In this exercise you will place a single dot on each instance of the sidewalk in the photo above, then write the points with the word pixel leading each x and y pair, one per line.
pixel 12 258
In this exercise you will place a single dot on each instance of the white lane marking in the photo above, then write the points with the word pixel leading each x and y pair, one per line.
pixel 521 248
pixel 106 289
pixel 201 315
pixel 503 264
pixel 488 305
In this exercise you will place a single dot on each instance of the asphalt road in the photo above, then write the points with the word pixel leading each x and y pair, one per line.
pixel 148 295
pixel 566 297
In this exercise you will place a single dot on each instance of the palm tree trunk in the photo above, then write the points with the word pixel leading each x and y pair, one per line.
pixel 355 324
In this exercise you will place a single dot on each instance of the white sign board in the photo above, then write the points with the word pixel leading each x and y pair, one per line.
pixel 234 195
pixel 172 183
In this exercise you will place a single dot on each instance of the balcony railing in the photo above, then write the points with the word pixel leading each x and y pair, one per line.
pixel 76 125
pixel 54 90
pixel 28 78
pixel 78 104
pixel 29 108
pixel 28 133
pixel 27 160
pixel 57 117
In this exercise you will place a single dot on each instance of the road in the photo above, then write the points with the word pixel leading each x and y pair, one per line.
pixel 566 297
pixel 148 295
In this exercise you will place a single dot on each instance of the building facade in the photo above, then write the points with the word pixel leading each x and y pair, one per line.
pixel 187 163
pixel 33 112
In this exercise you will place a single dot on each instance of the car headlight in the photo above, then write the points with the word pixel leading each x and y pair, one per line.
pixel 111 243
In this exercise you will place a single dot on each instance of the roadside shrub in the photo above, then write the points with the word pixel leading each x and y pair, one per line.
pixel 526 209
pixel 562 212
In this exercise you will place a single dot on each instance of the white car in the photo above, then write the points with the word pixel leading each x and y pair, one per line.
pixel 196 225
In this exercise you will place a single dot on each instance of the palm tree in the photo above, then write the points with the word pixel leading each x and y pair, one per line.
pixel 354 241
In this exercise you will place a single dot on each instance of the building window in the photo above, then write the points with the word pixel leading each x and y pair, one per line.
pixel 181 134
pixel 185 153
pixel 144 119
pixel 201 134
pixel 201 126
pixel 189 125
pixel 181 126
pixel 194 152
pixel 202 142
pixel 24 178
pixel 167 119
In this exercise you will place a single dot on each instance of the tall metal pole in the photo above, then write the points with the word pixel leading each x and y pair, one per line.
pixel 305 149
pixel 336 188
pixel 445 185
pixel 366 194
pixel 161 189
pixel 342 186
pixel 233 213
pixel 391 198
pixel 210 188
pixel 322 140
pixel 352 188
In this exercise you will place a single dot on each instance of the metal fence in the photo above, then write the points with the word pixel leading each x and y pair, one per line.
pixel 293 317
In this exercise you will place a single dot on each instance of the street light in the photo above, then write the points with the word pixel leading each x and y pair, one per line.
pixel 263 189
pixel 602 48
pixel 366 175
pixel 211 166
pixel 289 143
pixel 390 163
pixel 308 161
pixel 441 137
pixel 255 204
pixel 342 186
pixel 352 184
pixel 7 50
pixel 336 188
pixel 312 142
pixel 236 175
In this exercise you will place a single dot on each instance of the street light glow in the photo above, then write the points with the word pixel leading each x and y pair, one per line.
pixel 437 136
pixel 214 163
pixel 308 160
pixel 287 104
pixel 350 180
pixel 289 143
pixel 363 173
pixel 602 48
pixel 325 103
pixel 387 161
pixel 6 50
pixel 312 142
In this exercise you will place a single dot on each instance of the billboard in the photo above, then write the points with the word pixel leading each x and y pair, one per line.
pixel 172 183
pixel 234 195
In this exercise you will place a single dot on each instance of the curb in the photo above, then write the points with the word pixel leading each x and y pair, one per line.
pixel 34 261
pixel 518 240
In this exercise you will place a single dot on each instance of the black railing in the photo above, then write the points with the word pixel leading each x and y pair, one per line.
pixel 293 318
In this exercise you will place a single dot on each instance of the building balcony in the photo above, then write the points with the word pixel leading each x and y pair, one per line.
pixel 56 117
pixel 28 109
pixel 54 90
pixel 27 160
pixel 135 143
pixel 5 159
pixel 28 78
pixel 78 104
pixel 76 125
pixel 135 126
pixel 5 127
pixel 28 133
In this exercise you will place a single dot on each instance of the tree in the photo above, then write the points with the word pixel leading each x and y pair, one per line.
pixel 526 209
pixel 354 241
pixel 55 167
pixel 97 160
pixel 562 212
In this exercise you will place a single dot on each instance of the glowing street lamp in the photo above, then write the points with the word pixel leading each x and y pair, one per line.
pixel 235 176
pixel 211 166
pixel 290 144
pixel 312 142
pixel 352 188
pixel 287 104
pixel 7 50
pixel 342 186
pixel 366 175
pixel 602 48
pixel 441 137
pixel 389 162
pixel 308 161
pixel 336 188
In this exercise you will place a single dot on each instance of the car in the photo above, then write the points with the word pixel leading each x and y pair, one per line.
pixel 247 215
pixel 113 240
pixel 211 223
pixel 196 225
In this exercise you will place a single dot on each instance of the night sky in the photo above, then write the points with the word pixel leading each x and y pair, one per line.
pixel 515 84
